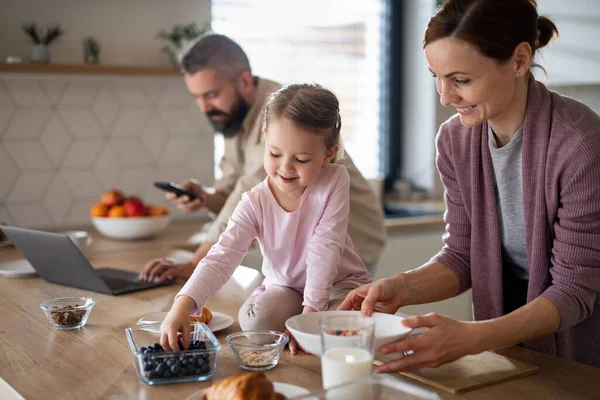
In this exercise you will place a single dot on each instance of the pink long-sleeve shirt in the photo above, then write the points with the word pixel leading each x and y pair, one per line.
pixel 307 249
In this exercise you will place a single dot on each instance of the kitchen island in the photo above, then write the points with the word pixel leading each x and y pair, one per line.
pixel 39 362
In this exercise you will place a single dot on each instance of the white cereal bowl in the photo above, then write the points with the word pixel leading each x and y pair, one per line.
pixel 305 329
pixel 131 228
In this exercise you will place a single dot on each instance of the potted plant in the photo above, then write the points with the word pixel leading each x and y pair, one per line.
pixel 178 38
pixel 91 50
pixel 40 40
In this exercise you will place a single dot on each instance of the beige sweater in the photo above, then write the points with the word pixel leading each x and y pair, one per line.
pixel 242 167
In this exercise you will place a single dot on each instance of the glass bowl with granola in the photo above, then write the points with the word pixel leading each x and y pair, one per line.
pixel 68 312
pixel 257 350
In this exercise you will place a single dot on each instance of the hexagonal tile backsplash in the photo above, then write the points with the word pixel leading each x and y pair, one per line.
pixel 66 139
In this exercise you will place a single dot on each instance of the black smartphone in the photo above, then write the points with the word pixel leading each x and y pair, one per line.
pixel 175 188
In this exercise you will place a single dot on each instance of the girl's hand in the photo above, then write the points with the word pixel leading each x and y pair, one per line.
pixel 384 295
pixel 293 344
pixel 445 340
pixel 177 320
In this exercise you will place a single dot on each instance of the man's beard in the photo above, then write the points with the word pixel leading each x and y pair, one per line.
pixel 232 123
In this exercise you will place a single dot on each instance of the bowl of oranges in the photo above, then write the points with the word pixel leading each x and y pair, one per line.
pixel 128 218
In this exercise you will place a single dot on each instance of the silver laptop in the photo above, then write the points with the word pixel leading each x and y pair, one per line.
pixel 58 260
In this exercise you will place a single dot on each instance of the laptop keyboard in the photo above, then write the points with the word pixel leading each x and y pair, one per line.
pixel 116 283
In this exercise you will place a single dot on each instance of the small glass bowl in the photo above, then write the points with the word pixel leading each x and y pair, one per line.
pixel 257 350
pixel 68 312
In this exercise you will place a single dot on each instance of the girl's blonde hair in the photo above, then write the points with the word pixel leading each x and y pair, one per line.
pixel 309 105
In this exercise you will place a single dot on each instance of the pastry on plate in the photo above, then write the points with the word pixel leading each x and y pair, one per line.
pixel 248 386
pixel 205 317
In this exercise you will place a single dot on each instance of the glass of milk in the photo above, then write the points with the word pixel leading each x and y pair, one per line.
pixel 347 342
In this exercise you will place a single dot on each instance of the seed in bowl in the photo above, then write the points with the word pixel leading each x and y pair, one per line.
pixel 258 358
pixel 66 317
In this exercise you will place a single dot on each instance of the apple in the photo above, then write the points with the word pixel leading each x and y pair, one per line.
pixel 134 207
pixel 112 197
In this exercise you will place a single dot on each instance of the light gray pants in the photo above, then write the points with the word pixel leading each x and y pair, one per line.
pixel 269 309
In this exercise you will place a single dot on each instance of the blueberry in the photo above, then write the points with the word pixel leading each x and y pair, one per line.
pixel 160 368
pixel 198 371
pixel 180 346
pixel 191 369
pixel 142 349
pixel 149 350
pixel 175 369
pixel 167 373
pixel 200 361
pixel 204 369
pixel 201 345
pixel 170 362
pixel 148 367
pixel 157 347
pixel 151 375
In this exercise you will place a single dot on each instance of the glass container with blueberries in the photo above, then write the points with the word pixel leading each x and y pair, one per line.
pixel 155 366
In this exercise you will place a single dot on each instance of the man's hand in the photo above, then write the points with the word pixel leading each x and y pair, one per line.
pixel 183 202
pixel 163 268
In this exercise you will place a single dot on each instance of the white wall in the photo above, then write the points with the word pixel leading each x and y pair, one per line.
pixel 126 29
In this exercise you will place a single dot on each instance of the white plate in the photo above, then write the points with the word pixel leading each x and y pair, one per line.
pixel 284 388
pixel 219 321
pixel 17 269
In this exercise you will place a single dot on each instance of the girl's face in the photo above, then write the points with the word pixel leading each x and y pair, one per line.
pixel 478 87
pixel 294 156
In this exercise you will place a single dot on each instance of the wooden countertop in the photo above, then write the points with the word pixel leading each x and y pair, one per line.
pixel 95 362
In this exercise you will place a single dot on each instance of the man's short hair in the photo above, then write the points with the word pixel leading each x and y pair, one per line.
pixel 216 52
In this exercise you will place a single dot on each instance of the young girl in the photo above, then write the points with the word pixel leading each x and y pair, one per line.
pixel 298 214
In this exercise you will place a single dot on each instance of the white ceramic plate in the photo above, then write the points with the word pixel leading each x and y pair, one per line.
pixel 219 321
pixel 17 269
pixel 284 388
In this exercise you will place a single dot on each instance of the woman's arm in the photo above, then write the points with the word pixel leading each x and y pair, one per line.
pixel 447 339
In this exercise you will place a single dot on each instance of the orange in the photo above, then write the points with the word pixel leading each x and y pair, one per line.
pixel 99 210
pixel 157 210
pixel 117 212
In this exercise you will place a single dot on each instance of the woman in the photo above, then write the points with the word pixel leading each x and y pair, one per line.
pixel 521 171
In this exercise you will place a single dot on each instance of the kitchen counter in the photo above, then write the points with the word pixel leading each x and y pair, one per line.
pixel 95 362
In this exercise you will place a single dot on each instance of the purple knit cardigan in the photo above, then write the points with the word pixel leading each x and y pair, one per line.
pixel 561 196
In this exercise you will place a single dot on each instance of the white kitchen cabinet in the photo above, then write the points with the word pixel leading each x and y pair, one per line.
pixel 411 248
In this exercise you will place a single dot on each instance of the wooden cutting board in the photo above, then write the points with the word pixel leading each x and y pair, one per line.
pixel 472 372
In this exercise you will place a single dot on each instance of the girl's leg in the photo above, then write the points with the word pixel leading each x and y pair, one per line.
pixel 268 310
pixel 338 294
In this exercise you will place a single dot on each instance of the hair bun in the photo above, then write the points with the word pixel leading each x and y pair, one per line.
pixel 546 32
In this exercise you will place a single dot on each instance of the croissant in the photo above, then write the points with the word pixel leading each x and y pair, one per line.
pixel 248 386
pixel 205 317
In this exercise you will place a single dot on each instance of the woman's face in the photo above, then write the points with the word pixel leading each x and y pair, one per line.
pixel 478 87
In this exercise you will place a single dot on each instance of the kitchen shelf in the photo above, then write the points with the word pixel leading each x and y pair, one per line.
pixel 26 68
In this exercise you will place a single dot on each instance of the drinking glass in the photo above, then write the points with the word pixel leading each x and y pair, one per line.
pixel 347 348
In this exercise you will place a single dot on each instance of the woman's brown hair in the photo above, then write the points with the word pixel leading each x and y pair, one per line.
pixel 494 27
pixel 310 106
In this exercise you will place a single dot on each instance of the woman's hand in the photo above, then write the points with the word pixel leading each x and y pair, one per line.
pixel 445 340
pixel 183 202
pixel 384 295
pixel 177 320
pixel 163 268
pixel 293 344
